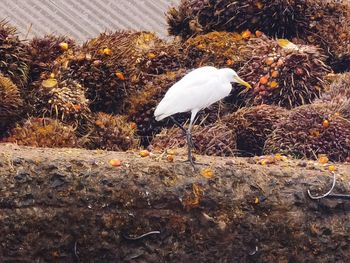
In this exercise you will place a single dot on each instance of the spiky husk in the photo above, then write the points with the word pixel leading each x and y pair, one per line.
pixel 329 27
pixel 300 71
pixel 128 45
pixel 10 103
pixel 214 139
pixel 111 132
pixel 143 104
pixel 282 18
pixel 128 48
pixel 163 58
pixel 309 131
pixel 44 51
pixel 43 132
pixel 337 94
pixel 98 75
pixel 60 99
pixel 293 76
pixel 213 49
pixel 107 75
pixel 179 22
pixel 252 126
pixel 14 57
pixel 225 49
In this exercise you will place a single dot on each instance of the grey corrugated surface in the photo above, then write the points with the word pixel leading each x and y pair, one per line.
pixel 83 19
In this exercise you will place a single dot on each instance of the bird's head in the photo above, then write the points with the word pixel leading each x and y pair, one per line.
pixel 232 76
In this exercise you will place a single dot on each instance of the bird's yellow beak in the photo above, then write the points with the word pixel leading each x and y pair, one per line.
pixel 241 81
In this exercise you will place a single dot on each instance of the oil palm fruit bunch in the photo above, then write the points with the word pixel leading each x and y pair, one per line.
pixel 60 99
pixel 103 79
pixel 309 131
pixel 129 48
pixel 142 106
pixel 44 51
pixel 287 75
pixel 214 48
pixel 10 103
pixel 43 132
pixel 163 58
pixel 158 60
pixel 328 27
pixel 252 126
pixel 225 49
pixel 337 95
pixel 213 139
pixel 104 66
pixel 282 18
pixel 14 57
pixel 134 47
pixel 111 132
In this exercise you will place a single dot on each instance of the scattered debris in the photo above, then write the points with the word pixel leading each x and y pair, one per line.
pixel 141 236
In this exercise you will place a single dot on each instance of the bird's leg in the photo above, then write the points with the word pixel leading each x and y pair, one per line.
pixel 189 137
pixel 190 146
pixel 178 124
pixel 188 133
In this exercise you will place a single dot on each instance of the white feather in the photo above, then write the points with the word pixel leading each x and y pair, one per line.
pixel 197 90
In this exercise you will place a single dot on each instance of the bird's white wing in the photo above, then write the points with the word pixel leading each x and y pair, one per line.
pixel 198 74
pixel 194 78
pixel 192 95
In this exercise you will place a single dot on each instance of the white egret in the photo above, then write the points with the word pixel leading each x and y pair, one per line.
pixel 195 91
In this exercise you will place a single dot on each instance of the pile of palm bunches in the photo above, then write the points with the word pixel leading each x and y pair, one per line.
pixel 14 57
pixel 10 103
pixel 44 51
pixel 102 78
pixel 43 132
pixel 317 22
pixel 337 95
pixel 285 76
pixel 110 132
pixel 61 99
pixel 283 18
pixel 226 49
pixel 105 66
pixel 328 27
pixel 213 49
pixel 253 125
pixel 309 131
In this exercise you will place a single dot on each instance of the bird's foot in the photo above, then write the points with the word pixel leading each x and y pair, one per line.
pixel 189 140
pixel 193 163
